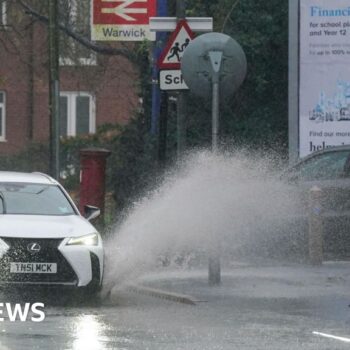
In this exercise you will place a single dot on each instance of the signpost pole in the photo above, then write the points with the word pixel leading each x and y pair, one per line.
pixel 293 108
pixel 163 126
pixel 155 92
pixel 162 10
pixel 209 51
pixel 54 88
pixel 181 97
pixel 214 268
pixel 215 116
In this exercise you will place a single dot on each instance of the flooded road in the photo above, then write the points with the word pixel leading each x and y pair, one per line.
pixel 265 307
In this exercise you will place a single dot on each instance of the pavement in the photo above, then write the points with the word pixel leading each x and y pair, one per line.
pixel 267 305
pixel 266 280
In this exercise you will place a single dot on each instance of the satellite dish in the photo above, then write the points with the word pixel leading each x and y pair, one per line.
pixel 214 56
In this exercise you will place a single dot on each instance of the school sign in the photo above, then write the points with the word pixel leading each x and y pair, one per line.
pixel 122 20
pixel 170 77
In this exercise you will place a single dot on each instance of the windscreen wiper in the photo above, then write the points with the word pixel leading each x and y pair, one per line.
pixel 2 197
pixel 43 189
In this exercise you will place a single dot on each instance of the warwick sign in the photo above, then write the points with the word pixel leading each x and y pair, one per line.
pixel 122 20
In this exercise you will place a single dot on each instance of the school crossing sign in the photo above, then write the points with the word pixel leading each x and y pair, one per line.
pixel 122 20
pixel 170 76
pixel 175 48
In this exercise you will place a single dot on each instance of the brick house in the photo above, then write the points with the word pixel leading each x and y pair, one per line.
pixel 95 89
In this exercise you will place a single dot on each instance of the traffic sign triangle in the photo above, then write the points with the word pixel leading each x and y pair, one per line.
pixel 170 57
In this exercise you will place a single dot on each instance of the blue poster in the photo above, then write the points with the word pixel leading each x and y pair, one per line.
pixel 324 89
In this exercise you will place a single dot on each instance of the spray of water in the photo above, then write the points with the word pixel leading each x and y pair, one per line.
pixel 225 201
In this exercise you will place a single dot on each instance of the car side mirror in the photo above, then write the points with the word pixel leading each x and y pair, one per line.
pixel 289 177
pixel 293 178
pixel 91 212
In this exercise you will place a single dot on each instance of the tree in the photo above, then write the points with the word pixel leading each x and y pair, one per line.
pixel 24 46
pixel 261 28
pixel 73 26
pixel 256 116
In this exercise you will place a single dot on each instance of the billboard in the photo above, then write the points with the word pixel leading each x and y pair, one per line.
pixel 324 82
pixel 122 20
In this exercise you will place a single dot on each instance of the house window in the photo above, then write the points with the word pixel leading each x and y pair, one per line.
pixel 77 114
pixel 75 14
pixel 2 115
pixel 3 13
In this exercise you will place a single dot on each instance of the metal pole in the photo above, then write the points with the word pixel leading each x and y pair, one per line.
pixel 181 123
pixel 181 97
pixel 31 84
pixel 57 128
pixel 155 98
pixel 162 10
pixel 163 126
pixel 215 116
pixel 214 268
pixel 54 88
pixel 180 9
pixel 293 81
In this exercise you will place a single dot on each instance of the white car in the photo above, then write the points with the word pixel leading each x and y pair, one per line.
pixel 44 240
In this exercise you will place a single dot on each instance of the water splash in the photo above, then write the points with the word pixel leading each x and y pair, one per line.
pixel 225 200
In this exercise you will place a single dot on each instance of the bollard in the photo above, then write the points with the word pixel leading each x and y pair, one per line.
pixel 315 226
pixel 92 178
pixel 214 271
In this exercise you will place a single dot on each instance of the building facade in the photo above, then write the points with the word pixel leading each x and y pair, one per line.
pixel 95 89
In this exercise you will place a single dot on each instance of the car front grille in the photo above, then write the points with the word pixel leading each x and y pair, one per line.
pixel 48 253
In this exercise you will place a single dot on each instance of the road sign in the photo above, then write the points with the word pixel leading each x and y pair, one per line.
pixel 168 24
pixel 175 48
pixel 214 55
pixel 122 20
pixel 172 80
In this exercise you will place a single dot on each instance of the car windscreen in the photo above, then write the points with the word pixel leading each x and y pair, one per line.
pixel 33 199
pixel 326 166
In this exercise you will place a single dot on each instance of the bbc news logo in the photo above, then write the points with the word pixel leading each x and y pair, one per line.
pixel 20 312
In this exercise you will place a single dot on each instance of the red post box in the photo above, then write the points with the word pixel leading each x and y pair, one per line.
pixel 92 177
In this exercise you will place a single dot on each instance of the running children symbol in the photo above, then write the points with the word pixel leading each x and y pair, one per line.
pixel 177 44
pixel 176 49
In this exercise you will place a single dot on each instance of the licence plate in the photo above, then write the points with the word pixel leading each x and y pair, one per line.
pixel 33 267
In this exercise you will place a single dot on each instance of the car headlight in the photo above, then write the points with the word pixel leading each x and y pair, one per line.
pixel 90 239
pixel 3 248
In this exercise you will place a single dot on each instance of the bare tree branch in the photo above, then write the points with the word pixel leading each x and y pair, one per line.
pixel 227 18
pixel 102 49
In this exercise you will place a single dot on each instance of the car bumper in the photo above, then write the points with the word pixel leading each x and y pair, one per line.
pixel 76 265
pixel 87 262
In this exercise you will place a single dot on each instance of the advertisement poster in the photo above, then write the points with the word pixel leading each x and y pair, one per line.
pixel 324 90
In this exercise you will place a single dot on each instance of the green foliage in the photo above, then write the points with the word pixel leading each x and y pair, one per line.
pixel 34 158
pixel 257 115
pixel 133 162
pixel 70 148
pixel 129 167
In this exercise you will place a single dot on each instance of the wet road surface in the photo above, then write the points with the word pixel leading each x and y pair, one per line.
pixel 254 308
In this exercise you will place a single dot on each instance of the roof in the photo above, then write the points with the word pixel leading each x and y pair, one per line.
pixel 326 150
pixel 39 178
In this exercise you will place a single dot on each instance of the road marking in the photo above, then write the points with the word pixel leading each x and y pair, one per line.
pixel 346 340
